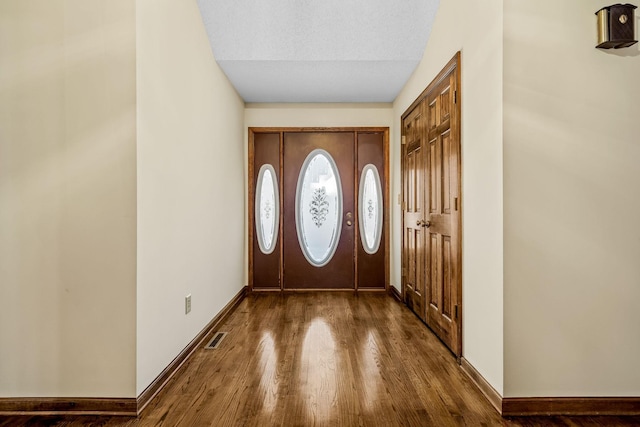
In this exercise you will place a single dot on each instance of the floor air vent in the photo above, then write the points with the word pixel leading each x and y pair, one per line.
pixel 215 341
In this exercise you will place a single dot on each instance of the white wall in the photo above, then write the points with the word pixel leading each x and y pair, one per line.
pixel 572 204
pixel 475 28
pixel 67 198
pixel 318 115
pixel 328 115
pixel 191 185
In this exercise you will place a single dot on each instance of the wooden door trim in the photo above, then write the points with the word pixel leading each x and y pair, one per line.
pixel 317 129
pixel 252 131
pixel 452 66
pixel 387 211
pixel 281 202
pixel 251 197
pixel 356 204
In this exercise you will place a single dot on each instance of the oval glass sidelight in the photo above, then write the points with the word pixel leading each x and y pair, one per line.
pixel 267 205
pixel 319 207
pixel 371 209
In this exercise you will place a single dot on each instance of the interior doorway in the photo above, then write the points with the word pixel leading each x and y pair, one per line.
pixel 318 209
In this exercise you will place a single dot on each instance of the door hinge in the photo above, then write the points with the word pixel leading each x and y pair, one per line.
pixel 455 203
pixel 455 309
pixel 455 96
pixel 404 140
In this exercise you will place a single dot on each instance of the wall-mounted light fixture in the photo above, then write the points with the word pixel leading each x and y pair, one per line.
pixel 616 26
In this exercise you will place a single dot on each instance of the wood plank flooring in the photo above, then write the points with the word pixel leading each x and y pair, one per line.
pixel 321 359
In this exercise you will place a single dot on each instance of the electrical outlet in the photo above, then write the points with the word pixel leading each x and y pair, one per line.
pixel 187 304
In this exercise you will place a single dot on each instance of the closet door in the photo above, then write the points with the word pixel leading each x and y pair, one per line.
pixel 413 191
pixel 442 215
pixel 432 226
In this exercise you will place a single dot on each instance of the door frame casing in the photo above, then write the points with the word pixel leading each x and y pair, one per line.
pixel 252 131
pixel 453 65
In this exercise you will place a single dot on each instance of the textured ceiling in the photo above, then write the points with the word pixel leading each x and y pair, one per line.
pixel 318 50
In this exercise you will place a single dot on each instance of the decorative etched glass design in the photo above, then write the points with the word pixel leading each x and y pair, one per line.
pixel 318 207
pixel 267 209
pixel 371 209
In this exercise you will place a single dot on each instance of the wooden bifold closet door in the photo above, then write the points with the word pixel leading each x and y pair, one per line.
pixel 431 171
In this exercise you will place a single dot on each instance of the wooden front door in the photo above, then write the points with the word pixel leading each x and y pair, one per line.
pixel 432 221
pixel 318 209
pixel 309 270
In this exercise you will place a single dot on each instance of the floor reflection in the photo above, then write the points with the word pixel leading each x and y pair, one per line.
pixel 370 371
pixel 318 371
pixel 269 384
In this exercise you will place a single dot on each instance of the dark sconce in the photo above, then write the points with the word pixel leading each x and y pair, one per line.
pixel 616 26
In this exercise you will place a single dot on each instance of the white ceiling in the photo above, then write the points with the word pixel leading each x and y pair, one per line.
pixel 318 50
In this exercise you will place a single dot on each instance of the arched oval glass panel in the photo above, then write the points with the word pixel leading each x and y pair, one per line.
pixel 319 208
pixel 267 205
pixel 371 209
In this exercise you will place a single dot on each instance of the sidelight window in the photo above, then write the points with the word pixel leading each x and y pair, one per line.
pixel 370 207
pixel 267 209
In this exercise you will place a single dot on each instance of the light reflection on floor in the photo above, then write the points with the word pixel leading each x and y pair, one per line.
pixel 370 371
pixel 318 370
pixel 268 380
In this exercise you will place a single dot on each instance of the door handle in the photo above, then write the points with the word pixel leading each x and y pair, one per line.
pixel 422 223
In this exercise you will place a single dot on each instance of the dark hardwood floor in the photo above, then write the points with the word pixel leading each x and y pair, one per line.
pixel 321 359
